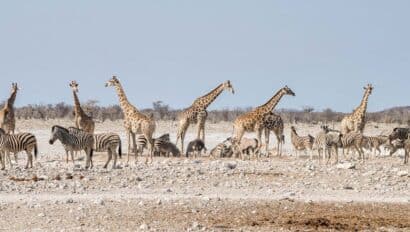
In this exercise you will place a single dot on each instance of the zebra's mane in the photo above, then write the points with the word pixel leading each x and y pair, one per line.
pixel 60 128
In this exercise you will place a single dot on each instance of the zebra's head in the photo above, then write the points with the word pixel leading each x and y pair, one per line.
pixel 56 133
pixel 74 86
pixel 112 82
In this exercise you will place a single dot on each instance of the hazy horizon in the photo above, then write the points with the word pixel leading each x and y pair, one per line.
pixel 325 51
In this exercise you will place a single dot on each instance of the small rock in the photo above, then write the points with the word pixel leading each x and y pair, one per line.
pixel 230 165
pixel 41 215
pixel 144 227
pixel 346 165
pixel 402 173
pixel 69 201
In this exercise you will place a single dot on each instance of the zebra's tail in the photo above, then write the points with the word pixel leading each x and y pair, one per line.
pixel 35 151
pixel 120 150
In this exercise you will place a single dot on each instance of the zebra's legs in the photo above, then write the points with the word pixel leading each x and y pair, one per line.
pixel 72 156
pixel 2 157
pixel 7 155
pixel 29 160
pixel 114 166
pixel 66 156
pixel 109 153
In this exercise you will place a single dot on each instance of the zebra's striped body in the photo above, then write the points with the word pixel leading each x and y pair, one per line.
pixel 327 141
pixel 222 150
pixel 74 142
pixel 301 143
pixel 373 143
pixel 142 143
pixel 16 143
pixel 104 142
pixel 166 148
pixel 353 139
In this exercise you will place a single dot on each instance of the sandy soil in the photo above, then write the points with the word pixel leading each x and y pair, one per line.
pixel 174 194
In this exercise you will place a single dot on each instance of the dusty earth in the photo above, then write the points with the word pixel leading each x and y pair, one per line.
pixel 177 194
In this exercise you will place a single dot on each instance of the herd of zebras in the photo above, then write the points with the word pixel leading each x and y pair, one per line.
pixel 327 142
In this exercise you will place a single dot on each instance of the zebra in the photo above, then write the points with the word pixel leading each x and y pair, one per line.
pixel 16 143
pixel 373 143
pixel 398 133
pixel 166 148
pixel 195 148
pixel 353 139
pixel 142 142
pixel 222 150
pixel 104 142
pixel 73 142
pixel 301 143
pixel 326 142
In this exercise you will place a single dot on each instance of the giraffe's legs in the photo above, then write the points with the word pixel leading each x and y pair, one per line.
pixel 201 126
pixel 134 146
pixel 184 124
pixel 129 145
pixel 279 143
pixel 267 135
pixel 259 136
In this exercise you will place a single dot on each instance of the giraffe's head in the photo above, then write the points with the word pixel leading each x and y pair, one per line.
pixel 14 87
pixel 368 88
pixel 229 87
pixel 288 91
pixel 74 86
pixel 112 82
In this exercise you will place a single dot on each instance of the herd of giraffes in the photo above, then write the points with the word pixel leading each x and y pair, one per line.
pixel 260 119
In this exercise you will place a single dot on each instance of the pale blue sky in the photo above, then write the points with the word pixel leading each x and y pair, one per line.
pixel 174 51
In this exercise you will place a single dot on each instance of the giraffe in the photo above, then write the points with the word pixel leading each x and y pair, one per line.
pixel 357 120
pixel 82 120
pixel 273 122
pixel 135 122
pixel 197 114
pixel 7 118
pixel 253 120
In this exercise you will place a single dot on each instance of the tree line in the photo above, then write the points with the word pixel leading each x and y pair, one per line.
pixel 162 111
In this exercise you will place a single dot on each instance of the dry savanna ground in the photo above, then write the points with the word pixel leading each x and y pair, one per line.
pixel 177 194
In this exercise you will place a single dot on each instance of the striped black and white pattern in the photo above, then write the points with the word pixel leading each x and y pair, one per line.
pixel 166 148
pixel 104 142
pixel 353 139
pixel 301 143
pixel 74 142
pixel 326 142
pixel 373 143
pixel 16 143
pixel 142 143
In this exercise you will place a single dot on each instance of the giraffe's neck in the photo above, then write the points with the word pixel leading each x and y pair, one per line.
pixel 126 106
pixel 271 104
pixel 12 99
pixel 206 100
pixel 77 106
pixel 361 109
